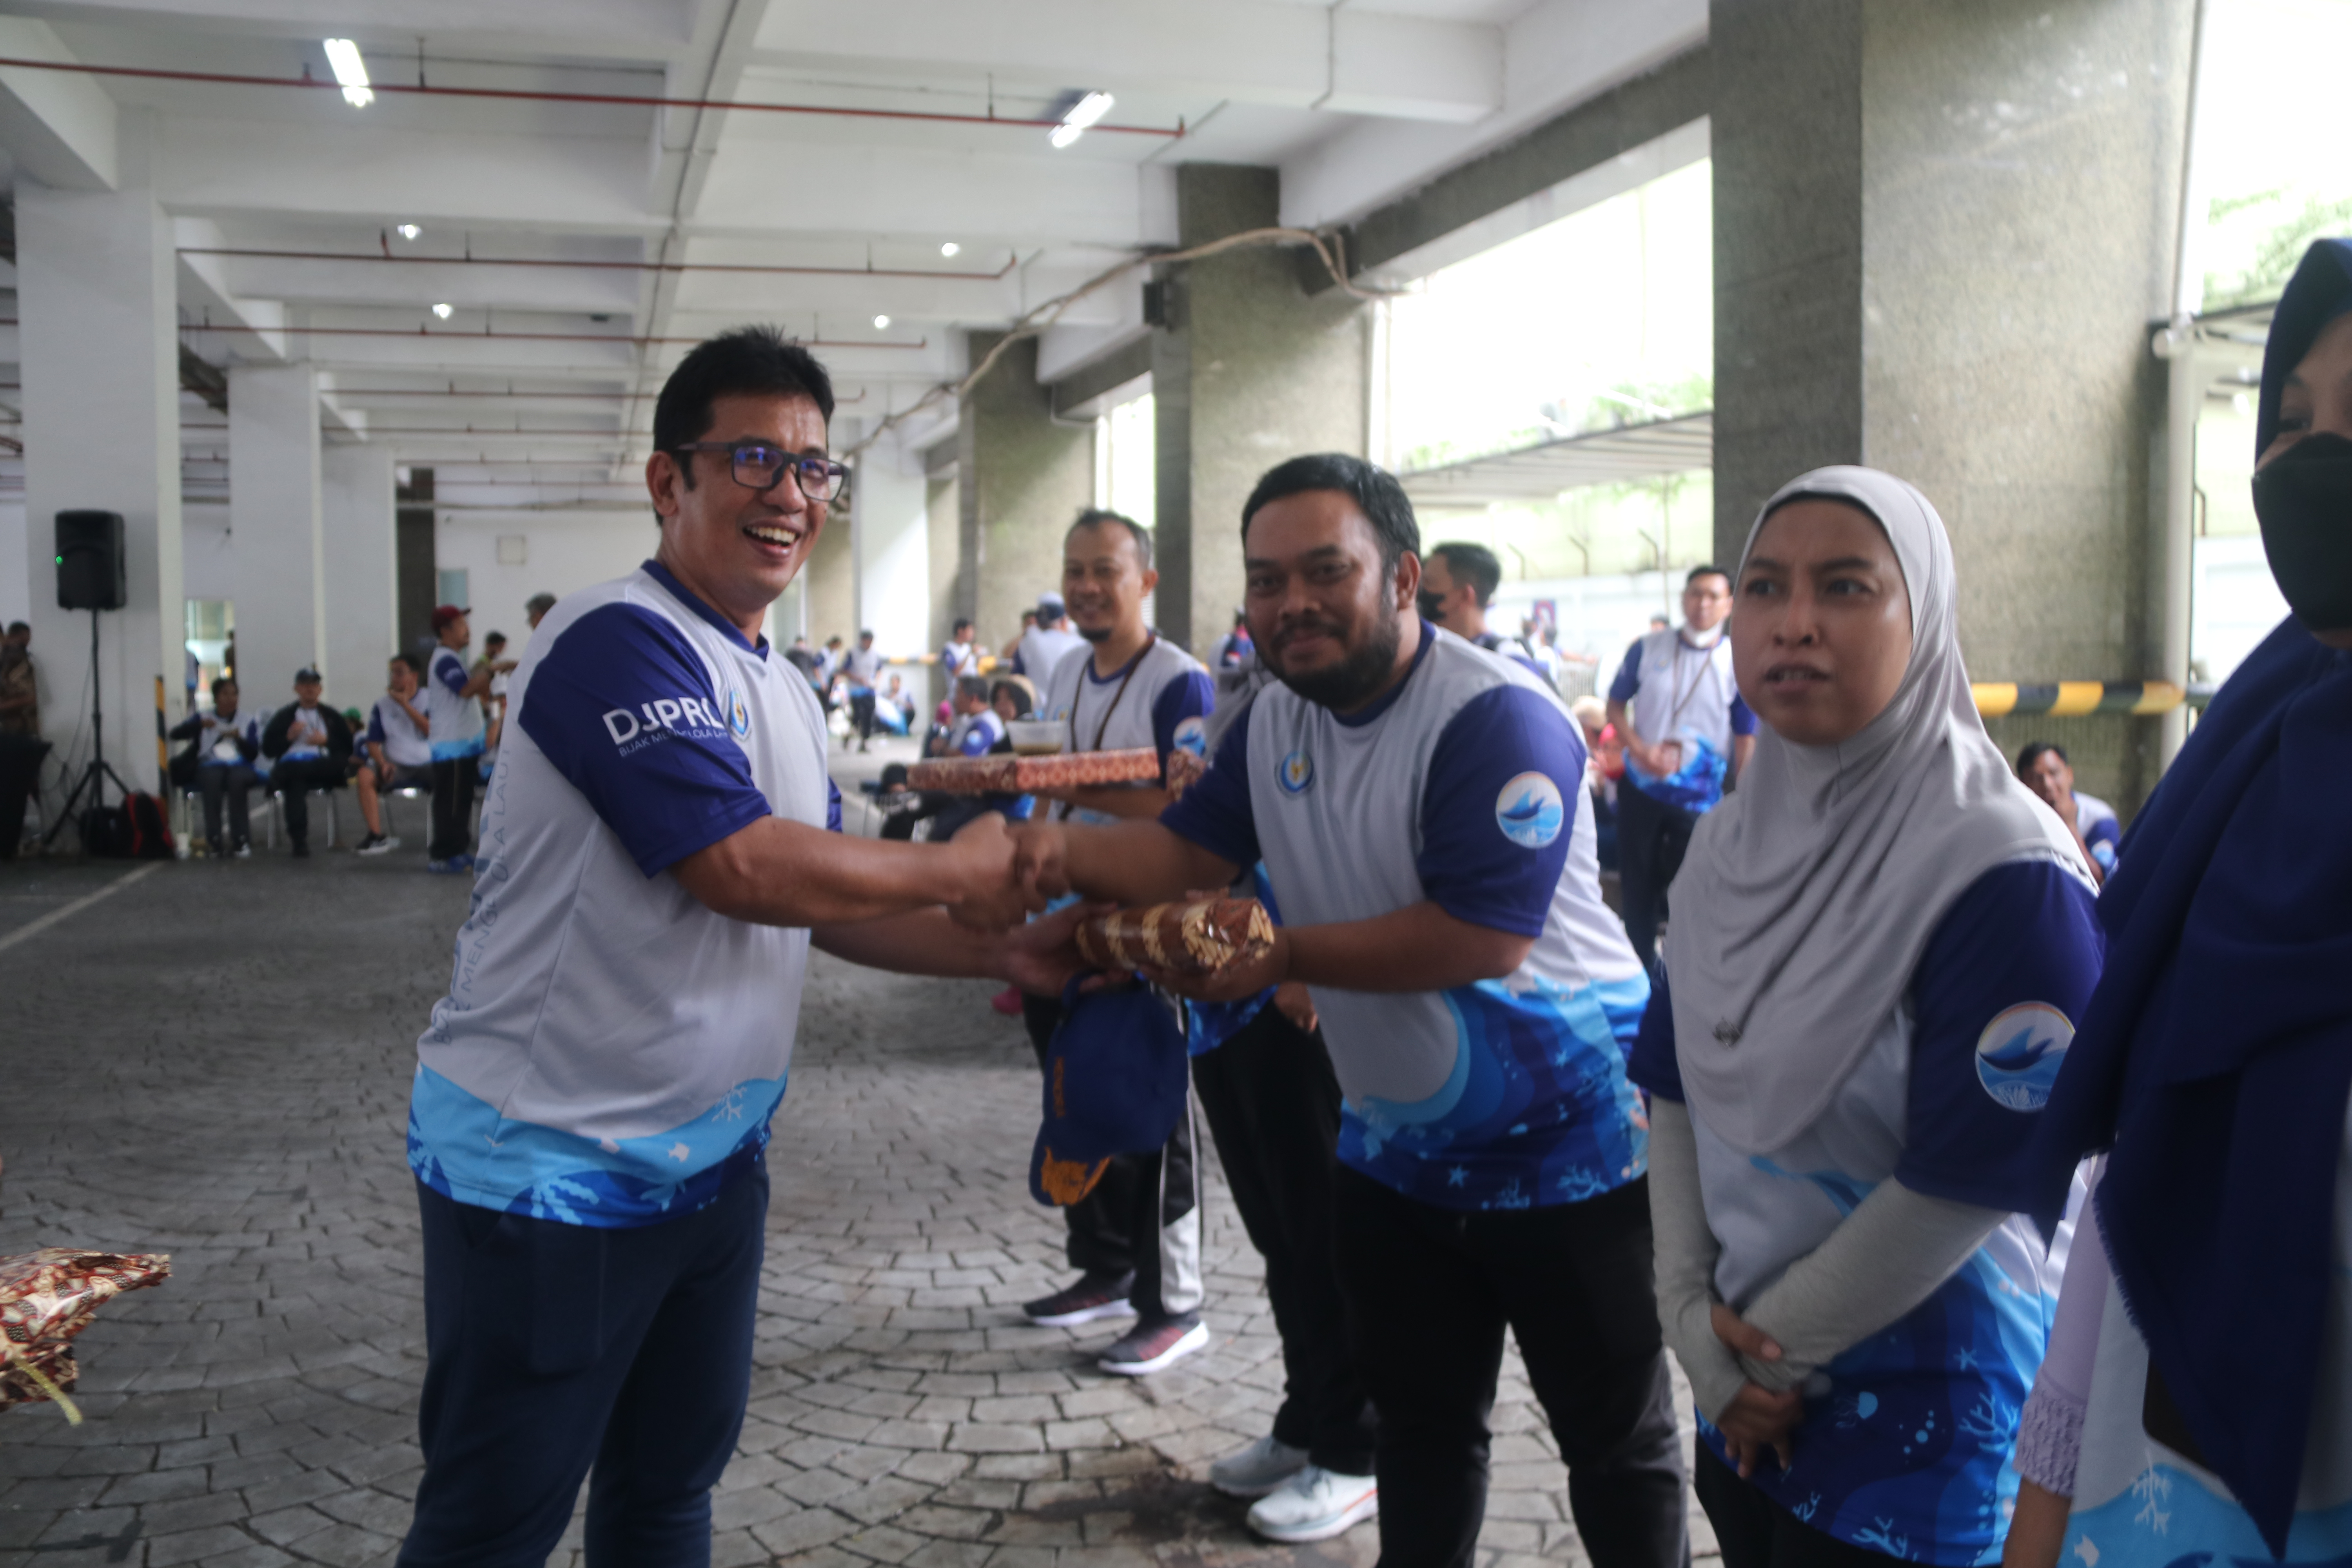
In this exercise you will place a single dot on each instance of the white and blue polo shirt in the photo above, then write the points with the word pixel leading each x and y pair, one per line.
pixel 1907 1441
pixel 1461 787
pixel 1158 699
pixel 611 1051
pixel 1677 690
pixel 456 720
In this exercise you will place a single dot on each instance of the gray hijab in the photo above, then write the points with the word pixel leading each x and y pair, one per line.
pixel 1807 898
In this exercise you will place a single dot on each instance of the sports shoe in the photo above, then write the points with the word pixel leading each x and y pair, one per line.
pixel 245 851
pixel 1096 1295
pixel 378 844
pixel 1148 1347
pixel 1316 1504
pixel 301 850
pixel 450 867
pixel 1257 1469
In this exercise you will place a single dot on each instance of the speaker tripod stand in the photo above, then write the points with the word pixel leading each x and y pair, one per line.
pixel 96 774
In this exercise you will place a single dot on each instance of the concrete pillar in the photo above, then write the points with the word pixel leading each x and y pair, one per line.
pixel 1252 370
pixel 1021 481
pixel 101 390
pixel 892 556
pixel 362 571
pixel 1941 233
pixel 830 583
pixel 275 508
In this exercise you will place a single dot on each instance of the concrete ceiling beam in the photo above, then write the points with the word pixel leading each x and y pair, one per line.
pixel 59 126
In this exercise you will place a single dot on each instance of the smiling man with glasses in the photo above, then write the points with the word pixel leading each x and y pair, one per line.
pixel 661 848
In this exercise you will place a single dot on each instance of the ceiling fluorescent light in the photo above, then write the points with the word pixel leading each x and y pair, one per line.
pixel 949 248
pixel 444 310
pixel 351 71
pixel 1083 113
pixel 881 323
pixel 408 231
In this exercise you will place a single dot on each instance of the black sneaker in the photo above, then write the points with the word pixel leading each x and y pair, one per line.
pixel 1147 1347
pixel 301 850
pixel 1096 1295
pixel 378 844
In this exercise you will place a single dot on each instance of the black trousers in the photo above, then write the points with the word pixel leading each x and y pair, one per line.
pixel 554 1353
pixel 1144 1215
pixel 453 805
pixel 292 782
pixel 1651 839
pixel 1430 1292
pixel 861 713
pixel 235 782
pixel 1273 1105
pixel 1756 1533
pixel 20 775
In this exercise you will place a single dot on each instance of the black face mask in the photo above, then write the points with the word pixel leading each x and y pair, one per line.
pixel 2303 499
pixel 1433 608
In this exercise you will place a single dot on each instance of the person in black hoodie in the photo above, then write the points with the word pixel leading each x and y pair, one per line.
pixel 224 747
pixel 307 743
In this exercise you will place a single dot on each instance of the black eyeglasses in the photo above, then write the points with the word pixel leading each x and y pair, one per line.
pixel 759 466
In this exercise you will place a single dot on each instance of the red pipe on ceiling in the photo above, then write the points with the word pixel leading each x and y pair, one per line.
pixel 641 101
pixel 531 337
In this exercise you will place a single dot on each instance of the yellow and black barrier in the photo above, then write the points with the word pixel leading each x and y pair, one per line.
pixel 2073 698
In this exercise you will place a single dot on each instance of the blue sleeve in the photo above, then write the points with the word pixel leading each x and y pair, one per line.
pixel 1994 1003
pixel 1016 663
pixel 1652 1064
pixel 831 807
pixel 1629 675
pixel 624 708
pixel 1188 697
pixel 1215 812
pixel 1743 722
pixel 976 742
pixel 1498 811
pixel 450 671
pixel 375 724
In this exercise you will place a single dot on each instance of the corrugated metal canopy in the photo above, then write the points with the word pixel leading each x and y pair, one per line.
pixel 1541 472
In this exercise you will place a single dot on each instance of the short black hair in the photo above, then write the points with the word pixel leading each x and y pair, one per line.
pixel 415 664
pixel 1377 495
pixel 219 681
pixel 974 687
pixel 962 624
pixel 747 361
pixel 16 627
pixel 2033 754
pixel 864 634
pixel 1102 517
pixel 499 638
pixel 1475 565
pixel 1709 570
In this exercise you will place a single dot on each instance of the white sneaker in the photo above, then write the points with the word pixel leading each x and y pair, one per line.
pixel 1257 1469
pixel 1316 1504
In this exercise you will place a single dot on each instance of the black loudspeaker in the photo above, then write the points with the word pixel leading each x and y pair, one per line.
pixel 90 561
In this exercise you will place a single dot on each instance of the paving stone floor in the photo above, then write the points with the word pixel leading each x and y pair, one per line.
pixel 213 1062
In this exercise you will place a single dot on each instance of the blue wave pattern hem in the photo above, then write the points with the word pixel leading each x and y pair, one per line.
pixel 474 1155
pixel 2169 1516
pixel 1536 1111
pixel 1908 1454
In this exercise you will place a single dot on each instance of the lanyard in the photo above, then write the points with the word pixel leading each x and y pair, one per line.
pixel 1673 677
pixel 1150 640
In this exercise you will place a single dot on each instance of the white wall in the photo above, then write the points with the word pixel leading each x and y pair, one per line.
pixel 890 535
pixel 16 565
pixel 208 553
pixel 564 552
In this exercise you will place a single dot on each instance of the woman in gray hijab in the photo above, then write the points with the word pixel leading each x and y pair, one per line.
pixel 1879 945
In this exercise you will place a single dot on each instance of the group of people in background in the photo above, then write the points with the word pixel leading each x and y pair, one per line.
pixel 433 731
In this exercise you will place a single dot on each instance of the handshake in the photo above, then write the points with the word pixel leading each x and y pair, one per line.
pixel 1005 872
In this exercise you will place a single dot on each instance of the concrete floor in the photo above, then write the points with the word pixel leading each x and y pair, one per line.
pixel 213 1058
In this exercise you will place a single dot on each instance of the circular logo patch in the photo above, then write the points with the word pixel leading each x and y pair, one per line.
pixel 2019 1052
pixel 1530 811
pixel 1192 735
pixel 739 715
pixel 1296 772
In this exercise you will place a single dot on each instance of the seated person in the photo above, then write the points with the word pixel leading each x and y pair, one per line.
pixel 307 743
pixel 394 752
pixel 223 752
pixel 2047 773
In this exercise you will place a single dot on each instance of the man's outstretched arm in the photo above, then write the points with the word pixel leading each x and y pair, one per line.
pixel 1038 956
pixel 1126 862
pixel 784 873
